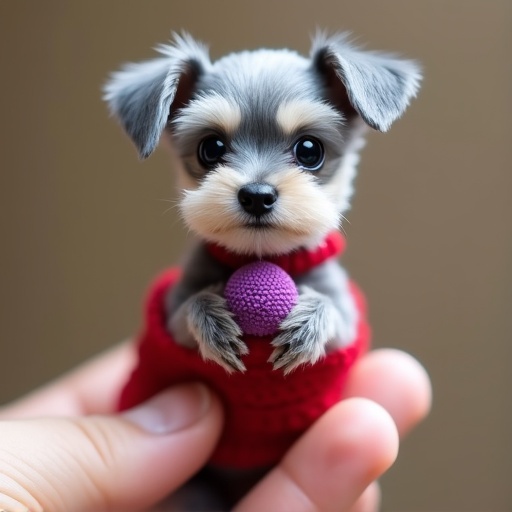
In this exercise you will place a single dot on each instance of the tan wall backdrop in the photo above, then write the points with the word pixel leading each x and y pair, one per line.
pixel 83 224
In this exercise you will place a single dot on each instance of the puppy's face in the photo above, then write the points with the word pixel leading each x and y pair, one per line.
pixel 268 140
pixel 263 155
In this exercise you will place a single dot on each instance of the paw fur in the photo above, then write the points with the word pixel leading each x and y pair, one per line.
pixel 217 333
pixel 306 331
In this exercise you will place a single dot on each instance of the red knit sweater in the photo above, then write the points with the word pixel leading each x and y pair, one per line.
pixel 265 410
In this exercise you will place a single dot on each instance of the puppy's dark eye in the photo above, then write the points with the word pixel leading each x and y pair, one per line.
pixel 309 153
pixel 211 150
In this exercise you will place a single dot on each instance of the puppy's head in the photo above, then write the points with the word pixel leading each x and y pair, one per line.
pixel 268 140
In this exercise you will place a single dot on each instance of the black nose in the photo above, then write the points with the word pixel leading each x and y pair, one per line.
pixel 257 198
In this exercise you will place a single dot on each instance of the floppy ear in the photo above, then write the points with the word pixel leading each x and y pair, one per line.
pixel 143 96
pixel 377 86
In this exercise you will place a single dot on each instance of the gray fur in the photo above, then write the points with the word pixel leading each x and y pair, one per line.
pixel 304 332
pixel 379 85
pixel 259 149
pixel 215 330
pixel 332 281
pixel 259 82
pixel 325 318
pixel 352 86
pixel 201 271
pixel 141 95
pixel 197 314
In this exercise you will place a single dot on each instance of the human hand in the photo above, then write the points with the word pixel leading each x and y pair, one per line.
pixel 336 464
pixel 63 449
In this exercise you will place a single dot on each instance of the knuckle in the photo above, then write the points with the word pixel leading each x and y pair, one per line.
pixel 100 439
pixel 98 458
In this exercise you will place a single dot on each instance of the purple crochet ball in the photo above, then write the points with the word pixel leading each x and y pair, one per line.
pixel 260 295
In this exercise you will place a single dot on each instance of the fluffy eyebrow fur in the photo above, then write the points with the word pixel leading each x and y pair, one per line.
pixel 207 113
pixel 296 115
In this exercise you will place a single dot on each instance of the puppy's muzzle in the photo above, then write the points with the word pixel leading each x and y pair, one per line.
pixel 257 199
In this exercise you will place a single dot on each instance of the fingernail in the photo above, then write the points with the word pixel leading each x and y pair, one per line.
pixel 173 410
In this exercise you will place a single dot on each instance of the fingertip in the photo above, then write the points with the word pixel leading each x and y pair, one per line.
pixel 330 467
pixel 396 381
pixel 366 434
pixel 369 501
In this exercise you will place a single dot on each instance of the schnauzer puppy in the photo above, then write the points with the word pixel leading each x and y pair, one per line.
pixel 267 143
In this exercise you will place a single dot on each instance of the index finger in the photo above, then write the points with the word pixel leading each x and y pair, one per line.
pixel 92 388
pixel 329 468
pixel 396 381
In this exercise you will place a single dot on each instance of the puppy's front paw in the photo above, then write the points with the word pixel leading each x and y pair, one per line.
pixel 305 331
pixel 215 330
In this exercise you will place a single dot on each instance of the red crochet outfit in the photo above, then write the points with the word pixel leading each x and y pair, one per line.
pixel 266 411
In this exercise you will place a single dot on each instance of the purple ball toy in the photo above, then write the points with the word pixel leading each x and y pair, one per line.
pixel 260 295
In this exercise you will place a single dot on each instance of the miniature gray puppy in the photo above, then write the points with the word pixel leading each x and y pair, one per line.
pixel 267 143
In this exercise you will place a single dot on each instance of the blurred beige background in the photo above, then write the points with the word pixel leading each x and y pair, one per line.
pixel 84 225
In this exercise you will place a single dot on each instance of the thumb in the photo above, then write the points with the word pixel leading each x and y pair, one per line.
pixel 124 462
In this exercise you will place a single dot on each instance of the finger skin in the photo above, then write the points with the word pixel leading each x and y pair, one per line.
pixel 92 388
pixel 105 463
pixel 389 377
pixel 397 382
pixel 332 464
pixel 369 501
